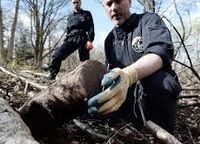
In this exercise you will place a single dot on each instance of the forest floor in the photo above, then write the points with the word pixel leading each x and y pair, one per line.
pixel 15 91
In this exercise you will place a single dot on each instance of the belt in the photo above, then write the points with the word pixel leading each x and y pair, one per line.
pixel 77 32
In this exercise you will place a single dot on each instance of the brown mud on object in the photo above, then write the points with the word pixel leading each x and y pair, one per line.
pixel 63 100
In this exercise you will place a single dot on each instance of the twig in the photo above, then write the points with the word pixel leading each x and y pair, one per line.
pixel 140 134
pixel 189 105
pixel 90 131
pixel 26 87
pixel 191 136
pixel 109 141
pixel 191 67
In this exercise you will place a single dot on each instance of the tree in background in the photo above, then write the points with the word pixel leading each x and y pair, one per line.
pixel 1 34
pixel 24 53
pixel 45 15
pixel 11 41
pixel 148 5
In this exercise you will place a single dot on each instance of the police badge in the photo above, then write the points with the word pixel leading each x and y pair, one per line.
pixel 82 18
pixel 137 44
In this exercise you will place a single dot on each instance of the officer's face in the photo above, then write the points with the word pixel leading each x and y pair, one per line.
pixel 117 10
pixel 76 4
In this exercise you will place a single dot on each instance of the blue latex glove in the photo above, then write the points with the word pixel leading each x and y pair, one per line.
pixel 117 82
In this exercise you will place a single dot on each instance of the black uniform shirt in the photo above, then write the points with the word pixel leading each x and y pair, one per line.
pixel 139 35
pixel 81 21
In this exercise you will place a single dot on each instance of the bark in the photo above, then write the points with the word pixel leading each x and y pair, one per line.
pixel 12 128
pixel 161 134
pixel 13 29
pixel 44 18
pixel 149 5
pixel 1 32
pixel 63 100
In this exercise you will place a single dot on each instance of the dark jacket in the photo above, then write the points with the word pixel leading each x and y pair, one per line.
pixel 139 35
pixel 81 23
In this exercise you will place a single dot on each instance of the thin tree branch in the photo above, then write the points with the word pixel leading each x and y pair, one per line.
pixel 89 130
pixel 188 56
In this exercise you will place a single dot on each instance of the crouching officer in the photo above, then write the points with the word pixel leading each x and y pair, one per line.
pixel 141 83
pixel 80 35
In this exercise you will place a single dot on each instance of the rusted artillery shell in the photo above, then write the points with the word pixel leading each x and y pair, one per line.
pixel 64 99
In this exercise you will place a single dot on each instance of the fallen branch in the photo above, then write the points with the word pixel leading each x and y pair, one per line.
pixel 189 105
pixel 109 141
pixel 189 96
pixel 139 133
pixel 190 88
pixel 191 137
pixel 161 134
pixel 34 73
pixel 93 134
pixel 23 79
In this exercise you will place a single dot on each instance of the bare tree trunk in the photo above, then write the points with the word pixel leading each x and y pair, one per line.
pixel 40 58
pixel 149 5
pixel 44 17
pixel 1 33
pixel 12 36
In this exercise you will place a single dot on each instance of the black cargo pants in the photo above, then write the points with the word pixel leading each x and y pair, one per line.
pixel 70 44
pixel 158 97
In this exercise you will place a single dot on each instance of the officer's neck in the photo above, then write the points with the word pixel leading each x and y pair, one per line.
pixel 126 23
pixel 77 10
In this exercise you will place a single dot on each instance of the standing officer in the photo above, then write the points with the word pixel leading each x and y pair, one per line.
pixel 80 35
pixel 141 83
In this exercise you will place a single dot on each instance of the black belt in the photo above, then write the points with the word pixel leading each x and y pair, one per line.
pixel 73 32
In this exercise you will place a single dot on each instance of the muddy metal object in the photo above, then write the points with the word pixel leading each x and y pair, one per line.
pixel 12 128
pixel 63 100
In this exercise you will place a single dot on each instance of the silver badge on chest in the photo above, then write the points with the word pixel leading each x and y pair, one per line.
pixel 82 18
pixel 137 44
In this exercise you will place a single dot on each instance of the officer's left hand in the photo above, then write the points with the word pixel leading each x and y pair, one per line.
pixel 117 82
pixel 89 45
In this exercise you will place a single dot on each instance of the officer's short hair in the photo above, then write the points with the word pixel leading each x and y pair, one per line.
pixel 79 1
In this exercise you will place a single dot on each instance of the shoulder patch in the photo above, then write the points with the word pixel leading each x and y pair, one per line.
pixel 137 44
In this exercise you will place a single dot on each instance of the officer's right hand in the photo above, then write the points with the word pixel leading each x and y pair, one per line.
pixel 118 82
pixel 89 45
